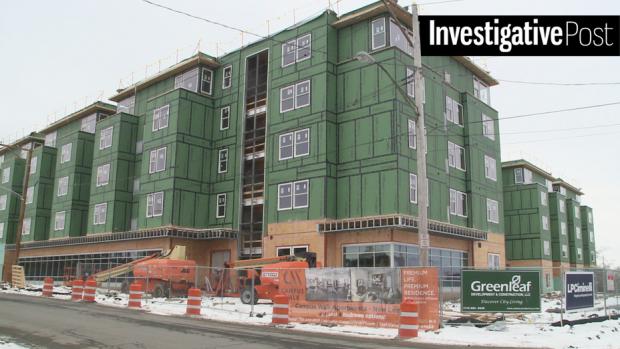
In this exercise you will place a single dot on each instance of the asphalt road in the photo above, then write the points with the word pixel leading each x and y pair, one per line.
pixel 53 323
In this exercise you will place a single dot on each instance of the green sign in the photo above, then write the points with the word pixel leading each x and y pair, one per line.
pixel 500 291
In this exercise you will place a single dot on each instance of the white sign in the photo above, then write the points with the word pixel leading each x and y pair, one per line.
pixel 611 281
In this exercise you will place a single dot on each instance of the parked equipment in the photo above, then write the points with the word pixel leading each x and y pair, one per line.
pixel 162 274
pixel 265 272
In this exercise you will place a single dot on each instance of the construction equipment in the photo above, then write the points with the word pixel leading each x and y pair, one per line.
pixel 263 274
pixel 163 274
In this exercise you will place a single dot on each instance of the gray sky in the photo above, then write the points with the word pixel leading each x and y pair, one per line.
pixel 59 55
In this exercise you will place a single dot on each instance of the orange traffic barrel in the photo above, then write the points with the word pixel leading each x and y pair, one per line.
pixel 77 288
pixel 89 290
pixel 48 287
pixel 135 295
pixel 194 300
pixel 280 310
pixel 408 327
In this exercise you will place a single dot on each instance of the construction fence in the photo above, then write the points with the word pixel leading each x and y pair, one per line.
pixel 361 296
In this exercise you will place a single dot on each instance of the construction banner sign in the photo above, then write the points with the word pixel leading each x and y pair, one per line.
pixel 500 291
pixel 360 296
pixel 579 290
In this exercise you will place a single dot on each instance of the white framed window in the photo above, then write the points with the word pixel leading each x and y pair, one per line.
pixel 105 138
pixel 89 123
pixel 286 146
pixel 136 186
pixel 6 175
pixel 65 153
pixel 63 186
pixel 577 213
pixel 287 98
pixel 490 168
pixel 206 81
pixel 221 206
pixel 103 175
pixel 549 185
pixel 543 198
pixel 481 90
pixel 23 154
pixel 398 39
pixel 545 223
pixel 456 156
pixel 579 252
pixel 413 188
pixel 302 142
pixel 33 164
pixel 291 250
pixel 562 206
pixel 578 233
pixel 454 111
pixel 29 195
pixel 589 217
pixel 227 77
pixel 591 234
pixel 523 176
pixel 3 199
pixel 293 195
pixel 157 160
pixel 189 80
pixel 160 117
pixel 302 94
pixel 563 229
pixel 458 203
pixel 378 39
pixel 127 105
pixel 100 213
pixel 297 50
pixel 546 247
pixel 225 118
pixel 139 147
pixel 1 230
pixel 410 82
pixel 155 204
pixel 411 133
pixel 493 261
pixel 488 127
pixel 492 211
pixel 50 139
pixel 564 250
pixel 59 221
pixel 222 166
pixel 518 175
pixel 26 226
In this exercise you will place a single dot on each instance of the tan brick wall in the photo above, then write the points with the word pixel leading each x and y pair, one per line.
pixel 495 244
pixel 531 263
pixel 294 234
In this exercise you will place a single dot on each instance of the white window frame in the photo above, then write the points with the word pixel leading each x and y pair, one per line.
pixel 579 253
pixel 297 142
pixel 58 220
pixel 99 211
pixel 562 204
pixel 127 105
pixel 29 195
pixel 63 186
pixel 307 193
pixel 564 250
pixel 221 161
pixel 294 47
pixel 299 47
pixel 563 229
pixel 105 138
pixel 1 230
pixel 547 247
pixel 413 188
pixel 291 145
pixel 154 156
pixel 225 110
pixel 280 197
pixel 65 152
pixel 490 168
pixel 577 213
pixel 458 197
pixel 411 133
pixel 101 170
pixel 543 198
pixel 202 77
pixel 3 201
pixel 218 205
pixel 6 175
pixel 150 204
pixel 309 93
pixel 452 155
pixel 26 223
pixel 89 124
pixel 291 249
pixel 33 164
pixel 480 86
pixel 224 84
pixel 492 211
pixel 410 73
pixel 493 261
pixel 488 127
pixel 287 98
pixel 545 223
pixel 454 112
pixel 591 235
pixel 50 139
pixel 373 34
pixel 578 233
pixel 159 115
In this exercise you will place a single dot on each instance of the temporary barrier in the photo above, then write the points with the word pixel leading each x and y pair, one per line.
pixel 76 290
pixel 194 300
pixel 280 310
pixel 89 291
pixel 48 287
pixel 135 295
pixel 408 327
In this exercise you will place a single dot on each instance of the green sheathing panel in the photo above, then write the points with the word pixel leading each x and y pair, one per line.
pixel 587 229
pixel 523 213
pixel 118 192
pixel 558 219
pixel 42 182
pixel 10 215
pixel 78 169
pixel 575 240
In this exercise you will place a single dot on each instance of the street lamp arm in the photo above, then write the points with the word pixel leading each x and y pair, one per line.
pixel 12 192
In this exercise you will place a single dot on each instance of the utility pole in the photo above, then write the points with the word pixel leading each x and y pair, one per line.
pixel 423 237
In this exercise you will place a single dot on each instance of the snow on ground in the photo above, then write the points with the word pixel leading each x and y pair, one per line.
pixel 528 330
pixel 9 343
